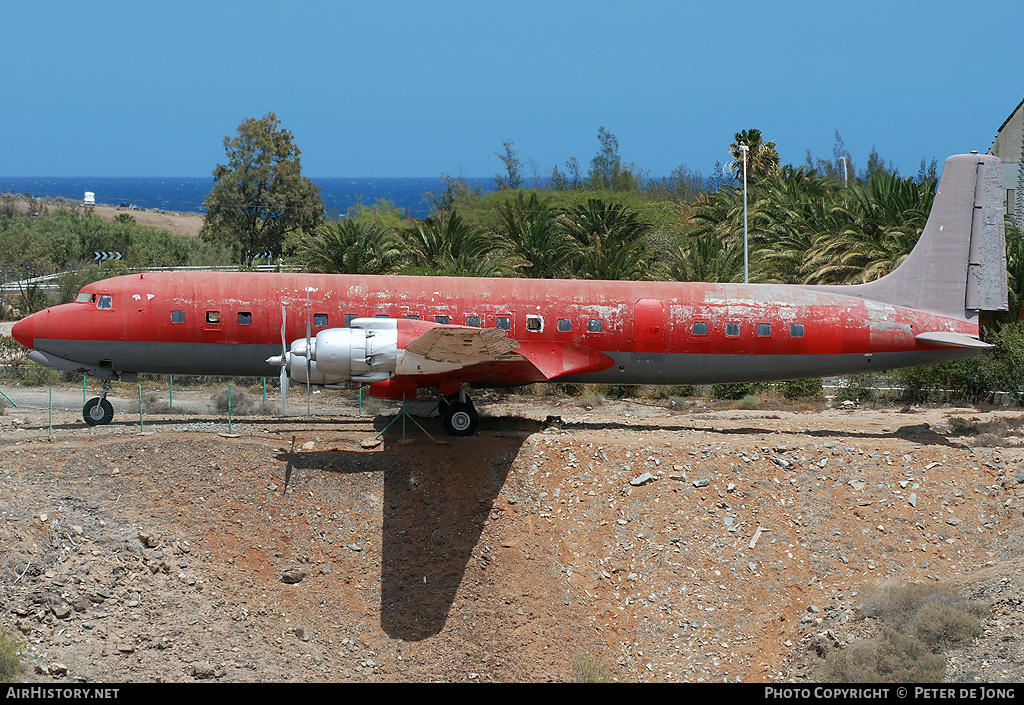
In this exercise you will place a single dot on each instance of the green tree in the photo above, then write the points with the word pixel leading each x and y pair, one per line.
pixel 513 176
pixel 613 242
pixel 450 246
pixel 762 157
pixel 350 247
pixel 530 223
pixel 260 195
pixel 606 169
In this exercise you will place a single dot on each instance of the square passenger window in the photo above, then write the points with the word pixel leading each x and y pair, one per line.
pixel 473 321
pixel 412 317
pixel 244 318
pixel 564 325
pixel 105 301
pixel 594 325
pixel 796 330
pixel 319 319
pixel 732 329
pixel 349 317
pixel 534 323
pixel 441 319
pixel 764 330
pixel 213 317
pixel 177 316
pixel 700 328
pixel 503 323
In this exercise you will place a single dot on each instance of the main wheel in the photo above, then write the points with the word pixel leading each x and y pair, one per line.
pixel 460 419
pixel 98 412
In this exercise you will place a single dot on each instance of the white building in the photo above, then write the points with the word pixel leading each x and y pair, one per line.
pixel 1009 146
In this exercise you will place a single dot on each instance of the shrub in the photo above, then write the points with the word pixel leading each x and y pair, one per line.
pixel 10 656
pixel 589 669
pixel 242 402
pixel 801 388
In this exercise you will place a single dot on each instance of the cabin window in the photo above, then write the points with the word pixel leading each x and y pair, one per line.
pixel 796 330
pixel 594 325
pixel 413 317
pixel 700 328
pixel 534 323
pixel 213 317
pixel 381 315
pixel 349 317
pixel 244 318
pixel 764 330
pixel 177 316
pixel 503 323
pixel 441 319
pixel 319 319
pixel 105 301
pixel 732 329
pixel 83 297
pixel 564 325
pixel 473 321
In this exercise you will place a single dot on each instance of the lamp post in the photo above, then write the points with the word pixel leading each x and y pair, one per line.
pixel 744 149
pixel 844 171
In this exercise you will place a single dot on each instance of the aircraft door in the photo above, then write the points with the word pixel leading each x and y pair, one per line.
pixel 649 326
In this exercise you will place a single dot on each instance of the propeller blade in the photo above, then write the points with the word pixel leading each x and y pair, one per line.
pixel 309 353
pixel 284 361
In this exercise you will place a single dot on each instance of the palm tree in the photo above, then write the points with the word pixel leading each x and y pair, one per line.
pixel 449 246
pixel 531 226
pixel 762 157
pixel 612 242
pixel 351 247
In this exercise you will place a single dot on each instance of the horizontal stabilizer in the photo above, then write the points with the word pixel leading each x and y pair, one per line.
pixel 952 340
pixel 555 360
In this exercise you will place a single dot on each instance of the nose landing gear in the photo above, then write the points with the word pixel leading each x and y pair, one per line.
pixel 98 411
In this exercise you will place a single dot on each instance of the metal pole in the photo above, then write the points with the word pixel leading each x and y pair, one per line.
pixel 746 267
pixel 51 412
pixel 229 408
pixel 83 390
pixel 142 428
pixel 264 391
pixel 170 402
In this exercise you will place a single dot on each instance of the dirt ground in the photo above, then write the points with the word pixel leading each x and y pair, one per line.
pixel 636 540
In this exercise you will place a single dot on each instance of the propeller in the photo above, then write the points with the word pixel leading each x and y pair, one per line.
pixel 282 360
pixel 309 353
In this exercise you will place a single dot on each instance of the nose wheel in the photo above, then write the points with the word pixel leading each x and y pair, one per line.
pixel 98 411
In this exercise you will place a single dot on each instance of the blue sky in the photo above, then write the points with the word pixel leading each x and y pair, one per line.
pixel 393 88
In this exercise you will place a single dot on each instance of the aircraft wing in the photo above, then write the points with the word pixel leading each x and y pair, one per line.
pixel 445 349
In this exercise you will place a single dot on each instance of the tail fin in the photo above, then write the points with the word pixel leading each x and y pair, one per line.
pixel 958 266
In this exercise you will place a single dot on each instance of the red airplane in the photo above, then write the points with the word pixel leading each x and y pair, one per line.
pixel 397 334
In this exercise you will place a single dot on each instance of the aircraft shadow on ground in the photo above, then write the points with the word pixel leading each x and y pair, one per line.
pixel 436 503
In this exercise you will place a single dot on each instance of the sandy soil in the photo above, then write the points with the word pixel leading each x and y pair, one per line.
pixel 660 544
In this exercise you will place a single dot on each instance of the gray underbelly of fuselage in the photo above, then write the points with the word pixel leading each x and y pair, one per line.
pixel 630 368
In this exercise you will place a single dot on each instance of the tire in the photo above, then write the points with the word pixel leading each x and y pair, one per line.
pixel 98 412
pixel 460 419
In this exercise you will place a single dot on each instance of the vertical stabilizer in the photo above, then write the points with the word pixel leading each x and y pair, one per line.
pixel 958 266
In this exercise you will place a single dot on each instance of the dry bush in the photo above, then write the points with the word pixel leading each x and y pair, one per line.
pixel 242 402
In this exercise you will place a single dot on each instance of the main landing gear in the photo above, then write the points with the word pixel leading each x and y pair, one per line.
pixel 98 411
pixel 458 415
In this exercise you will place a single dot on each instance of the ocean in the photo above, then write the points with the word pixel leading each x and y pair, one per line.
pixel 187 193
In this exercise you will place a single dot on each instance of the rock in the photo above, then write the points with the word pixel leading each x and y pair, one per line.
pixel 642 479
pixel 701 483
pixel 302 633
pixel 203 670
pixel 291 577
pixel 57 669
pixel 61 610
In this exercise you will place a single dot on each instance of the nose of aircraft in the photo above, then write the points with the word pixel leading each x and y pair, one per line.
pixel 24 330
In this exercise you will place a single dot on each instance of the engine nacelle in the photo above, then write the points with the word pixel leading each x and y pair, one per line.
pixel 366 352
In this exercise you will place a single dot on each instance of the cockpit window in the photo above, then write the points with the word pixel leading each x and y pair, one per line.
pixel 105 301
pixel 84 297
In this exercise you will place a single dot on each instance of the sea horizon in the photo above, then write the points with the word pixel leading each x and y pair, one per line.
pixel 411 194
